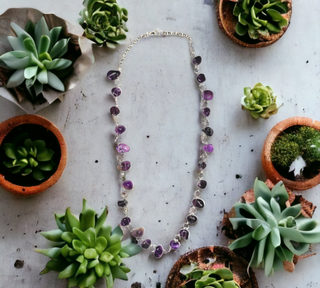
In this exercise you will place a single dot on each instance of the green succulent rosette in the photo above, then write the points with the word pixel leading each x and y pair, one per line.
pixel 260 18
pixel 86 250
pixel 259 101
pixel 277 232
pixel 104 22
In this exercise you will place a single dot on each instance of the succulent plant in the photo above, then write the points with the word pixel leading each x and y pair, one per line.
pixel 86 250
pixel 259 101
pixel 37 52
pixel 218 278
pixel 260 18
pixel 33 158
pixel 104 22
pixel 277 232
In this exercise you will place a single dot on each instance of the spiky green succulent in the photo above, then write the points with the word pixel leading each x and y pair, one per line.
pixel 104 21
pixel 86 250
pixel 36 57
pixel 199 278
pixel 259 101
pixel 277 232
pixel 28 157
pixel 260 18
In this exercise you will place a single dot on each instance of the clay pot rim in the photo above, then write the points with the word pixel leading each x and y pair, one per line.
pixel 222 25
pixel 268 167
pixel 6 127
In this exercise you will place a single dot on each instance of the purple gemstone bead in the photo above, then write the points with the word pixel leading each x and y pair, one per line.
pixel 208 148
pixel 184 233
pixel 208 131
pixel 114 111
pixel 128 185
pixel 113 74
pixel 202 184
pixel 196 60
pixel 206 112
pixel 122 148
pixel 201 78
pixel 202 165
pixel 122 203
pixel 125 166
pixel 174 244
pixel 125 221
pixel 207 95
pixel 116 91
pixel 158 252
pixel 120 129
pixel 192 219
pixel 137 232
pixel 146 244
pixel 197 202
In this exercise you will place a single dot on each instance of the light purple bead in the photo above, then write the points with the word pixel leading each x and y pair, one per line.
pixel 137 232
pixel 174 244
pixel 196 60
pixel 207 95
pixel 158 252
pixel 208 148
pixel 116 91
pixel 125 221
pixel 128 185
pixel 184 233
pixel 122 148
pixel 125 165
pixel 146 244
pixel 201 78
pixel 206 112
pixel 113 74
pixel 120 129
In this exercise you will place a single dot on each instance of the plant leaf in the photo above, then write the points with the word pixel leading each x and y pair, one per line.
pixel 10 150
pixel 57 64
pixel 37 174
pixel 55 82
pixel 41 28
pixel 12 61
pixel 44 44
pixel 30 72
pixel 43 76
pixel 55 52
pixel 16 79
pixel 54 35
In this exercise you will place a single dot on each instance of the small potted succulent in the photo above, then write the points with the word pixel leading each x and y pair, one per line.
pixel 86 250
pixel 104 22
pixel 291 153
pixel 33 154
pixel 213 266
pixel 259 101
pixel 254 23
pixel 272 227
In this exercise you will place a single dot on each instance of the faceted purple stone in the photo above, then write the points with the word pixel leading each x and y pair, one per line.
pixel 197 202
pixel 125 166
pixel 192 219
pixel 184 233
pixel 113 74
pixel 208 131
pixel 202 184
pixel 158 252
pixel 120 129
pixel 207 95
pixel 208 148
pixel 146 244
pixel 202 165
pixel 122 148
pixel 174 244
pixel 137 232
pixel 125 221
pixel 116 91
pixel 201 78
pixel 128 185
pixel 206 112
pixel 196 60
pixel 114 111
pixel 122 203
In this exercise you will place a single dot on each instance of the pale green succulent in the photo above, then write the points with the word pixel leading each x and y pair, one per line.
pixel 260 18
pixel 259 101
pixel 104 21
pixel 36 57
pixel 86 250
pixel 277 232
pixel 199 278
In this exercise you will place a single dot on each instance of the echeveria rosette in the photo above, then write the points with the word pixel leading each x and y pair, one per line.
pixel 86 250
pixel 104 22
pixel 260 18
pixel 37 54
pixel 259 101
pixel 278 232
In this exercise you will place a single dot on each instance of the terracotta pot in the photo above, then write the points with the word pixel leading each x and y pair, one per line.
pixel 6 127
pixel 268 167
pixel 222 255
pixel 227 23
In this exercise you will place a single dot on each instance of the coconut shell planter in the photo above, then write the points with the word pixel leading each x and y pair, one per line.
pixel 212 258
pixel 24 133
pixel 254 24
pixel 307 148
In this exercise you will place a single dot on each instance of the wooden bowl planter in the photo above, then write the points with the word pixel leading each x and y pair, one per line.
pixel 203 257
pixel 227 23
pixel 47 130
pixel 267 164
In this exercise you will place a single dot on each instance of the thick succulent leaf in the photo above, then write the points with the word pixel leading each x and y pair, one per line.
pixel 16 44
pixel 55 82
pixel 71 220
pixel 53 235
pixel 43 77
pixel 265 211
pixel 275 237
pixel 105 231
pixel 105 257
pixel 72 282
pixel 7 164
pixel 65 250
pixel 114 249
pixel 69 271
pixel 44 44
pixel 57 49
pixel 46 166
pixel 261 190
pixel 52 253
pixel 54 35
pixel 29 28
pixel 57 64
pixel 99 268
pixel 82 268
pixel 87 218
pixel 37 174
pixel 269 258
pixel 38 88
pixel 22 34
pixel 93 263
pixel 30 72
pixel 30 82
pixel 101 244
pixel 41 29
pixel 109 281
pixel 45 155
pixel 241 29
pixel 276 209
pixel 293 211
pixel 10 150
pixel 88 280
pixel 55 265
pixel 102 218
pixel 130 248
pixel 275 15
pixel 11 60
pixel 79 245
pixel 30 46
pixel 118 273
pixel 68 236
pixel 280 193
pixel 16 79
pixel 261 232
pixel 60 221
pixel 241 242
pixel 303 247
pixel 85 238
pixel 90 253
pixel 39 144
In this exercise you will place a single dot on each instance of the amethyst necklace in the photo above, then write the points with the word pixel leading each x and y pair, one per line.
pixel 123 165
